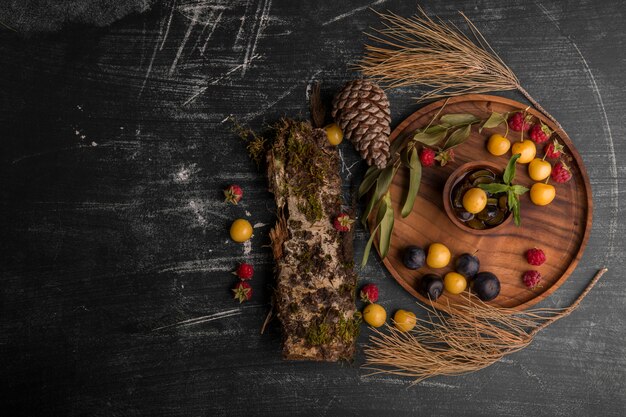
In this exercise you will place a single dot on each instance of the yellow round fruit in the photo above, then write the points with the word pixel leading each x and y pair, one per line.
pixel 526 149
pixel 474 200
pixel 404 320
pixel 240 230
pixel 334 134
pixel 454 283
pixel 539 170
pixel 542 194
pixel 498 145
pixel 438 255
pixel 374 315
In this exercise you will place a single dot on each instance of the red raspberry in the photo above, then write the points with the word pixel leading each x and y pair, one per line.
pixel 518 122
pixel 369 293
pixel 560 173
pixel 242 291
pixel 233 194
pixel 245 271
pixel 535 256
pixel 553 150
pixel 531 279
pixel 539 132
pixel 427 157
pixel 343 223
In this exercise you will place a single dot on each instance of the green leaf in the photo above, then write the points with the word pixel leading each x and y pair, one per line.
pixel 519 189
pixel 511 199
pixel 415 177
pixel 458 137
pixel 459 119
pixel 494 188
pixel 368 247
pixel 386 226
pixel 495 120
pixel 404 157
pixel 370 178
pixel 430 139
pixel 516 211
pixel 437 128
pixel 370 206
pixel 509 172
pixel 382 209
pixel 382 185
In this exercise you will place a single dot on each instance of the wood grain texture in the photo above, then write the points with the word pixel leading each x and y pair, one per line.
pixel 560 229
pixel 103 243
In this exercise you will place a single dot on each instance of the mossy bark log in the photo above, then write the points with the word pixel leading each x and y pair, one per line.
pixel 315 288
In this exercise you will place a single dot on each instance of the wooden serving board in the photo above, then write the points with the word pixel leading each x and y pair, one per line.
pixel 561 229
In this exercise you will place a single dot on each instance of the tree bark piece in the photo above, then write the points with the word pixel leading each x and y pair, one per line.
pixel 315 284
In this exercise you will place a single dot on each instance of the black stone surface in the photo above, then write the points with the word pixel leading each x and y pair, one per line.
pixel 114 153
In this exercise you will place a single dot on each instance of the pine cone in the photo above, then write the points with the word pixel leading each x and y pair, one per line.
pixel 361 109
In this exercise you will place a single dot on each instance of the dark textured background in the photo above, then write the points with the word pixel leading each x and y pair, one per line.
pixel 114 153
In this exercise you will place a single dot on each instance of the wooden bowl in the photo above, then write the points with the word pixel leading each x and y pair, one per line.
pixel 561 229
pixel 453 180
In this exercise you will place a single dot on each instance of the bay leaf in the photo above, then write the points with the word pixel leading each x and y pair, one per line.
pixel 430 139
pixel 415 177
pixel 459 119
pixel 494 120
pixel 386 226
pixel 458 137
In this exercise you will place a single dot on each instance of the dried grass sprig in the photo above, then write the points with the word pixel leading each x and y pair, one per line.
pixel 472 336
pixel 434 53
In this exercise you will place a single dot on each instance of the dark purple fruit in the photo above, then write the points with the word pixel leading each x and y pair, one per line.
pixel 486 286
pixel 413 257
pixel 467 265
pixel 431 286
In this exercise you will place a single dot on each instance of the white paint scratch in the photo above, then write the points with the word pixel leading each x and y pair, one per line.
pixel 247 247
pixel 220 315
pixel 181 47
pixel 214 82
pixel 613 222
pixel 218 264
pixel 344 166
pixel 154 52
pixel 309 85
pixel 240 32
pixel 259 112
pixel 196 207
pixel 351 12
pixel 169 23
pixel 208 38
pixel 260 21
pixel 204 319
pixel 184 173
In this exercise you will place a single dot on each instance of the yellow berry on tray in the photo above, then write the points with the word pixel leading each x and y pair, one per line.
pixel 240 230
pixel 526 149
pixel 404 320
pixel 498 145
pixel 438 255
pixel 542 194
pixel 374 315
pixel 474 200
pixel 334 134
pixel 538 169
pixel 454 283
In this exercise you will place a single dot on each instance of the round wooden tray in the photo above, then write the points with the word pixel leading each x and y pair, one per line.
pixel 561 229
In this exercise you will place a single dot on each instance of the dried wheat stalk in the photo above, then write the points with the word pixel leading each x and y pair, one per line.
pixel 471 337
pixel 431 52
